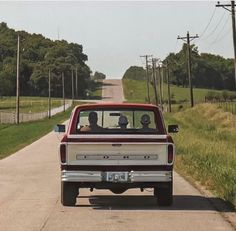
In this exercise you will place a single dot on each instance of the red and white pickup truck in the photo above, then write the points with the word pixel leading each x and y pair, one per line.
pixel 116 147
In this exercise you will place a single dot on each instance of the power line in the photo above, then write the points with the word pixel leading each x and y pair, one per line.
pixel 220 39
pixel 215 28
pixel 223 36
pixel 223 27
pixel 204 31
pixel 232 10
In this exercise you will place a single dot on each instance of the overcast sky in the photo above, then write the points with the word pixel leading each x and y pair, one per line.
pixel 115 34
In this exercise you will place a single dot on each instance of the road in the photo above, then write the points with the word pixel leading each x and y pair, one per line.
pixel 30 198
pixel 112 90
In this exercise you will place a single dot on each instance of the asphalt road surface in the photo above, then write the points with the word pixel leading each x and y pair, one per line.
pixel 30 197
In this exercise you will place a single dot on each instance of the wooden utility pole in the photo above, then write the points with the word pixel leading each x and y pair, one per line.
pixel 76 82
pixel 189 63
pixel 18 81
pixel 162 82
pixel 72 86
pixel 49 93
pixel 63 91
pixel 147 76
pixel 232 6
pixel 160 85
pixel 168 84
pixel 154 74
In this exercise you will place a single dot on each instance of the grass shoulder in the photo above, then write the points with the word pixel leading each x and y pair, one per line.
pixel 14 137
pixel 206 148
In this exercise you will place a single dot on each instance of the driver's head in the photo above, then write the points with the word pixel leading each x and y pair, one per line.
pixel 93 117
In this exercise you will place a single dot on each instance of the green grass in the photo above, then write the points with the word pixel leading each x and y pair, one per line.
pixel 135 91
pixel 206 144
pixel 28 104
pixel 14 137
pixel 206 148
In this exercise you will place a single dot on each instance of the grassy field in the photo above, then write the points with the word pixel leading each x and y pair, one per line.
pixel 14 137
pixel 138 94
pixel 28 104
pixel 206 144
pixel 206 148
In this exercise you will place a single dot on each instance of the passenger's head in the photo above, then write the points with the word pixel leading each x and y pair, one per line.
pixel 123 122
pixel 93 118
pixel 145 120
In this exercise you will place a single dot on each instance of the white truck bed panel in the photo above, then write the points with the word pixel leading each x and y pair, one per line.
pixel 113 154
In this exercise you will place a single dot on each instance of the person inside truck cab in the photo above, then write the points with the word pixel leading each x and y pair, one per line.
pixel 145 121
pixel 123 122
pixel 93 126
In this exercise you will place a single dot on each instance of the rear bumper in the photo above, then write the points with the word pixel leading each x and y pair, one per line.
pixel 133 176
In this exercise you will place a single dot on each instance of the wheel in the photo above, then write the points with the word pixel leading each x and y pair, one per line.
pixel 164 194
pixel 69 192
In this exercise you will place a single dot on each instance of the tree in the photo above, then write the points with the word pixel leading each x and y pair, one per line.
pixel 208 70
pixel 37 55
pixel 99 75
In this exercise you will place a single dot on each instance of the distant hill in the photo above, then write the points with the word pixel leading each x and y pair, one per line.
pixel 135 73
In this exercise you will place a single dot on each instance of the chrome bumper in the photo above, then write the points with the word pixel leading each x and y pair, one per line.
pixel 133 176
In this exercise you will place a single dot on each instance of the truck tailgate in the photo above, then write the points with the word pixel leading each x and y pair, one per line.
pixel 117 153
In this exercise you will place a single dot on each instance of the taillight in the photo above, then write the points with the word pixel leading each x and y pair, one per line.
pixel 170 153
pixel 63 153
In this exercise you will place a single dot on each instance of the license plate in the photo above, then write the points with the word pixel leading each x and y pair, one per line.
pixel 117 176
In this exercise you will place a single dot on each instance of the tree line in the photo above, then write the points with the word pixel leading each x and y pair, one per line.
pixel 208 70
pixel 38 55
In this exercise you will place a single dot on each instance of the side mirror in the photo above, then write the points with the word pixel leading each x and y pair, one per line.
pixel 173 128
pixel 59 128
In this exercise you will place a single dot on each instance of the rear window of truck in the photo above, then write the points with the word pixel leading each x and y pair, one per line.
pixel 127 121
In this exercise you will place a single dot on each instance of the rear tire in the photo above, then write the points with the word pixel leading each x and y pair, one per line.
pixel 69 192
pixel 164 194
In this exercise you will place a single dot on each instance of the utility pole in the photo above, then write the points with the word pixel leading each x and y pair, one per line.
pixel 168 84
pixel 189 38
pixel 147 76
pixel 49 93
pixel 72 86
pixel 225 6
pixel 160 85
pixel 162 82
pixel 76 82
pixel 18 81
pixel 154 74
pixel 63 91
